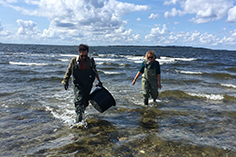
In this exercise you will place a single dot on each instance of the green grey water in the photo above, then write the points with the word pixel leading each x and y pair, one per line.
pixel 194 115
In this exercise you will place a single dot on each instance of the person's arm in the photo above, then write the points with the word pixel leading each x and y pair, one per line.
pixel 97 77
pixel 66 78
pixel 95 69
pixel 158 71
pixel 159 80
pixel 135 78
pixel 141 70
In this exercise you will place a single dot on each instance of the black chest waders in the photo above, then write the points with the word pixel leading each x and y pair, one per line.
pixel 149 84
pixel 82 83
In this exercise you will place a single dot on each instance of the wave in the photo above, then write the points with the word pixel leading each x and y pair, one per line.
pixel 162 60
pixel 177 94
pixel 28 64
pixel 216 75
pixel 185 59
pixel 108 59
pixel 222 75
pixel 135 59
pixel 68 55
pixel 111 73
pixel 189 72
pixel 109 55
pixel 52 79
pixel 174 94
pixel 168 60
pixel 232 69
pixel 64 60
pixel 216 97
pixel 229 85
pixel 114 65
pixel 207 96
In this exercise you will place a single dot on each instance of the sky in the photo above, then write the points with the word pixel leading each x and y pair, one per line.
pixel 197 23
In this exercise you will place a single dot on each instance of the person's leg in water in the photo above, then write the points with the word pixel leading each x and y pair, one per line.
pixel 81 102
pixel 145 89
pixel 154 90
pixel 79 109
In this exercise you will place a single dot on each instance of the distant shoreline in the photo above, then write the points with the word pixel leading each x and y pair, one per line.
pixel 161 47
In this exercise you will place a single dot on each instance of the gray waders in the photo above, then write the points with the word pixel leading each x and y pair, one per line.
pixel 82 83
pixel 149 84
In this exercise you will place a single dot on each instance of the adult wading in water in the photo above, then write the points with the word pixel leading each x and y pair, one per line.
pixel 151 76
pixel 83 71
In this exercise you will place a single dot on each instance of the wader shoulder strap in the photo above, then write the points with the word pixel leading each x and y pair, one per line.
pixel 77 58
pixel 92 65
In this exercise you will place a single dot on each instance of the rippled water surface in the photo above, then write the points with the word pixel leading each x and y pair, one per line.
pixel 194 116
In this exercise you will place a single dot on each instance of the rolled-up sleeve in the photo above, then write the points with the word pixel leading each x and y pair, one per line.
pixel 158 69
pixel 142 67
pixel 66 78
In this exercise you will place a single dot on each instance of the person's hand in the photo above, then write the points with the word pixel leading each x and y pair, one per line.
pixel 133 82
pixel 159 86
pixel 99 83
pixel 66 86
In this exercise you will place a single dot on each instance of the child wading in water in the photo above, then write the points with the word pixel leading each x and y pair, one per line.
pixel 151 76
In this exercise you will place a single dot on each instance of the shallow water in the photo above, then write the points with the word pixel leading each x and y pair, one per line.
pixel 194 116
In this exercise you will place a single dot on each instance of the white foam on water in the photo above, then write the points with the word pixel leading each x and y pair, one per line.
pixel 62 107
pixel 99 63
pixel 135 58
pixel 185 59
pixel 208 96
pixel 28 64
pixel 166 60
pixel 229 85
pixel 106 59
pixel 111 72
pixel 108 55
pixel 68 55
pixel 189 72
pixel 64 60
pixel 4 105
pixel 169 60
pixel 67 116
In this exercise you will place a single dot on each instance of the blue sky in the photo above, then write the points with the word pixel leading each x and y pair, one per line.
pixel 197 23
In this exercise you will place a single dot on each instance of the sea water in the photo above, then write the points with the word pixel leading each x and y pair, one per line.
pixel 195 114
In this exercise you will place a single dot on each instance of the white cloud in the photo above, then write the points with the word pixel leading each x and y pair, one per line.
pixel 102 14
pixel 171 2
pixel 154 16
pixel 4 34
pixel 157 34
pixel 122 35
pixel 79 19
pixel 233 33
pixel 228 40
pixel 205 11
pixel 173 12
pixel 232 15
pixel 164 36
pixel 28 31
pixel 99 22
pixel 86 18
pixel 207 38
pixel 27 28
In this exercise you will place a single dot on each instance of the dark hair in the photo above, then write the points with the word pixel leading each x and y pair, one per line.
pixel 83 47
